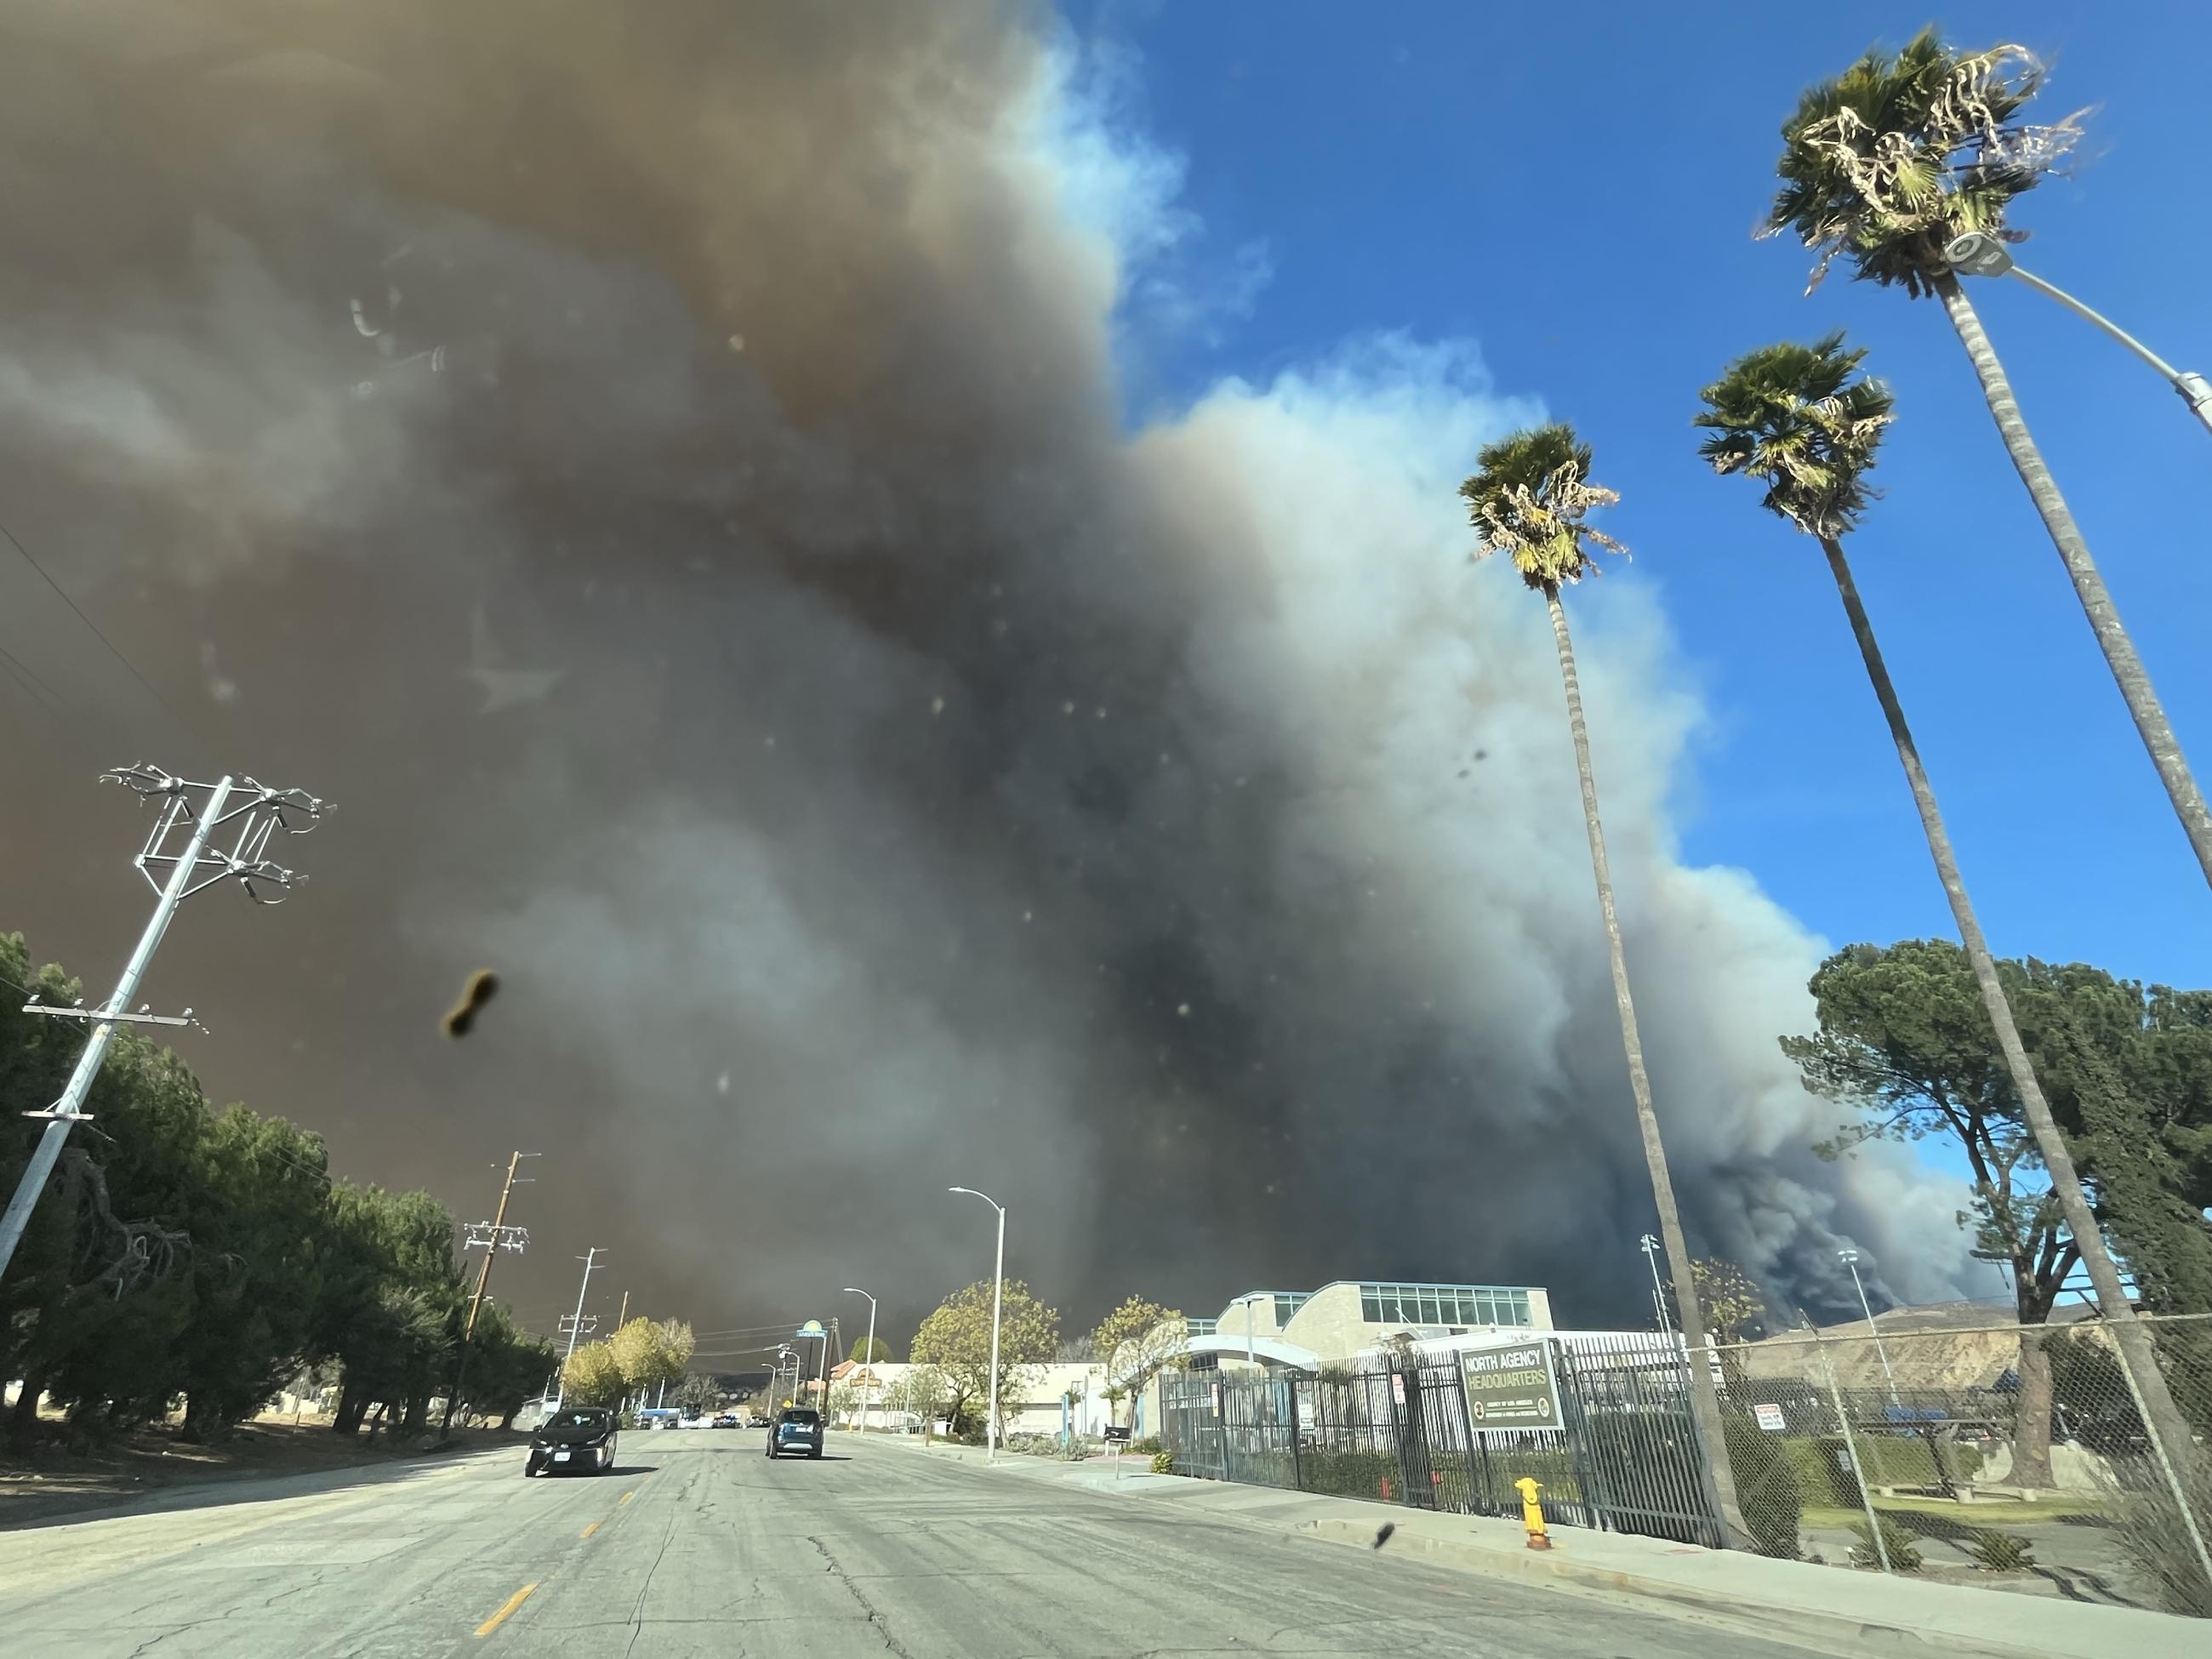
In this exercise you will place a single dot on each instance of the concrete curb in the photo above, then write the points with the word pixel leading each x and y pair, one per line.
pixel 1771 1620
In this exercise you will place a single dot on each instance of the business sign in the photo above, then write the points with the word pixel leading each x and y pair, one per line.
pixel 1770 1418
pixel 812 1328
pixel 1512 1388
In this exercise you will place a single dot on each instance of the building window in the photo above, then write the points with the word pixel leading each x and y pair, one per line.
pixel 1287 1303
pixel 1206 1361
pixel 1200 1327
pixel 1444 1304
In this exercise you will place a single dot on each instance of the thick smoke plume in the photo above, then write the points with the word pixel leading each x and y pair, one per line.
pixel 658 467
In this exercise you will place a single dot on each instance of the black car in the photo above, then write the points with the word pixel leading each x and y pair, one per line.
pixel 796 1428
pixel 575 1440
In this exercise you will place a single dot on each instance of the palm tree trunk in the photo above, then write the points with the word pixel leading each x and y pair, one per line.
pixel 2111 1300
pixel 2112 634
pixel 1704 1398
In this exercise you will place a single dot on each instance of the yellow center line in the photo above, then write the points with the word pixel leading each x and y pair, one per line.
pixel 507 1611
pixel 627 1496
pixel 589 1530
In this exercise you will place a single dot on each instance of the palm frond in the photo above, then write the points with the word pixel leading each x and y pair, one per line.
pixel 1527 499
pixel 1803 419
pixel 1889 163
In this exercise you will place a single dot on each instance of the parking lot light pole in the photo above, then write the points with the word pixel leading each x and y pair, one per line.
pixel 869 1348
pixel 1850 1258
pixel 998 1303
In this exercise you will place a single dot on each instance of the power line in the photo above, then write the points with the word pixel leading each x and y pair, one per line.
pixel 77 611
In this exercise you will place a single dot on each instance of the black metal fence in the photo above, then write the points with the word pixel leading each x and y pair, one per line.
pixel 1625 1458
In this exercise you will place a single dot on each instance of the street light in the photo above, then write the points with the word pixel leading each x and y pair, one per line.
pixel 998 1295
pixel 1658 1293
pixel 854 1290
pixel 1850 1259
pixel 1977 253
pixel 1247 1299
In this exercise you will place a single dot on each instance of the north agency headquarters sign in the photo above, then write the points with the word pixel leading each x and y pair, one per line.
pixel 1514 1387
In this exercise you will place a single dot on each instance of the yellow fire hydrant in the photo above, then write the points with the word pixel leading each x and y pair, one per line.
pixel 1532 1513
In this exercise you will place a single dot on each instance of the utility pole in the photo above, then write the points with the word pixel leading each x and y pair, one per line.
pixel 575 1322
pixel 494 1238
pixel 259 813
pixel 623 1318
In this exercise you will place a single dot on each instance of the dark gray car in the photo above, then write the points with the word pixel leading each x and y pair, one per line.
pixel 796 1428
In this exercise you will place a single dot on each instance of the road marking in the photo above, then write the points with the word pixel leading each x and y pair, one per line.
pixel 507 1611
pixel 627 1496
pixel 589 1530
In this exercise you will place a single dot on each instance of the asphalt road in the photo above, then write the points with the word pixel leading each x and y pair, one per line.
pixel 698 1545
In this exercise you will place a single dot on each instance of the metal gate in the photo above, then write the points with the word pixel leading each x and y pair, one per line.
pixel 1626 1456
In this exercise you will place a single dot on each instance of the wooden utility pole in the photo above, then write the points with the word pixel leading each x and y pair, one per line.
pixel 492 1238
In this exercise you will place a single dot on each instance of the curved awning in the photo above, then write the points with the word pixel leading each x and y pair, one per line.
pixel 1270 1349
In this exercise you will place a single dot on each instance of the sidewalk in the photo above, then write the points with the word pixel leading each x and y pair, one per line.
pixel 1825 1607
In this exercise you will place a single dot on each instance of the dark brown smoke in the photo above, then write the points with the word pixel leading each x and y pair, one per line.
pixel 656 466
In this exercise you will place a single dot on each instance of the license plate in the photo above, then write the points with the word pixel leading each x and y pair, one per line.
pixel 560 1457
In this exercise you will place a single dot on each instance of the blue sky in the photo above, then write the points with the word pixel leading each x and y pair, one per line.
pixel 1574 189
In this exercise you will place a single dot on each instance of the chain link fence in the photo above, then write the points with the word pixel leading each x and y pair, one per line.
pixel 2013 1457
pixel 2001 1455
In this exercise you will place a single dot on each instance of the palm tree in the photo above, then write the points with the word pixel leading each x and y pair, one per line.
pixel 1886 165
pixel 1527 500
pixel 1803 420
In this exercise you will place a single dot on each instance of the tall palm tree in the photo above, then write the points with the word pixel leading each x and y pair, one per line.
pixel 1803 420
pixel 1885 166
pixel 1527 500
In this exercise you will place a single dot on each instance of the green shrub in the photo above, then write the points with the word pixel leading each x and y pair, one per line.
pixel 1348 1474
pixel 1823 1467
pixel 1148 1445
pixel 1766 1487
pixel 2000 1552
pixel 1902 1557
pixel 1164 1462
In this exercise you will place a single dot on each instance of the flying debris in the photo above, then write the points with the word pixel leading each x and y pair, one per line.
pixel 483 987
pixel 503 687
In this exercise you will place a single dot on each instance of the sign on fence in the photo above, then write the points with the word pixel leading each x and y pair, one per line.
pixel 1514 1387
pixel 1770 1418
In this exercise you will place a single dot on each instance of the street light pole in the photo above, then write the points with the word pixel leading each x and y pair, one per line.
pixel 871 1361
pixel 1247 1299
pixel 998 1304
pixel 1977 253
pixel 1850 1259
pixel 1658 1291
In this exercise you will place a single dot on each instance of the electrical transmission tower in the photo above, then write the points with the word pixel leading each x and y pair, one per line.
pixel 492 1236
pixel 198 810
pixel 579 1323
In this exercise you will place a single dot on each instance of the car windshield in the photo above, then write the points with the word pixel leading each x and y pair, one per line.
pixel 804 1419
pixel 588 1422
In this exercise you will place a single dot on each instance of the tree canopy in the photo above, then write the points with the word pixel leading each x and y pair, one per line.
pixel 186 1252
pixel 1905 1038
pixel 956 1341
pixel 1804 421
pixel 592 1375
pixel 1138 1340
pixel 1889 161
pixel 1527 500
pixel 650 1351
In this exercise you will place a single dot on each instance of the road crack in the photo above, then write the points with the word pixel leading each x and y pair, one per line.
pixel 876 1618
